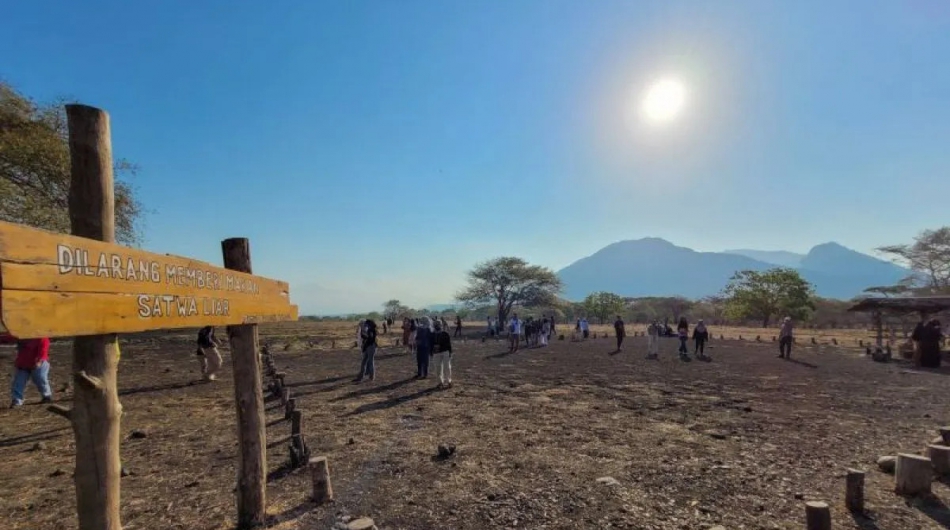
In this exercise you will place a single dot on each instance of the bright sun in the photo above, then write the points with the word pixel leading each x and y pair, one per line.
pixel 664 100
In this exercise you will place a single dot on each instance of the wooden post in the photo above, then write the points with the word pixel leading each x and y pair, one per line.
pixel 295 418
pixel 320 471
pixel 854 491
pixel 945 433
pixel 940 456
pixel 96 409
pixel 817 516
pixel 913 474
pixel 249 398
pixel 290 408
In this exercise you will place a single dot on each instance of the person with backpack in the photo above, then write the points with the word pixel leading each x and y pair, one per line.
pixel 423 344
pixel 443 346
pixel 208 355
pixel 31 364
pixel 368 347
pixel 700 336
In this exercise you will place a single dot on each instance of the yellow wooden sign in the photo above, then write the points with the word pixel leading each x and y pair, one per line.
pixel 55 285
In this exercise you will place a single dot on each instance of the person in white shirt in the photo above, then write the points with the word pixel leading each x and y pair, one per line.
pixel 545 332
pixel 514 333
pixel 585 328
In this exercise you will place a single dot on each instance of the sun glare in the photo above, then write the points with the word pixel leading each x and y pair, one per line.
pixel 664 100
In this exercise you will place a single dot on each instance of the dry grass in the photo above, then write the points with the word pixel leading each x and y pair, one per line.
pixel 741 441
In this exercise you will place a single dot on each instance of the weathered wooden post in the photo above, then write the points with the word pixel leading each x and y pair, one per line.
pixel 320 472
pixel 945 434
pixel 913 474
pixel 854 491
pixel 249 398
pixel 817 516
pixel 940 456
pixel 96 409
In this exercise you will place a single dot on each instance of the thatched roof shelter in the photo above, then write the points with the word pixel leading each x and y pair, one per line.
pixel 903 305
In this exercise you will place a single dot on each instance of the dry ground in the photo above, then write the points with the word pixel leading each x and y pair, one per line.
pixel 741 441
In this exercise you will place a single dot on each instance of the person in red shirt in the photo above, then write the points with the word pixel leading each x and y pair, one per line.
pixel 32 362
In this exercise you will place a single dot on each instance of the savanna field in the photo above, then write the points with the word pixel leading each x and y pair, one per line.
pixel 570 436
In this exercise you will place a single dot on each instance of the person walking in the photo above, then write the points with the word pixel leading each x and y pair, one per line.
pixel 423 347
pixel 545 331
pixel 405 334
pixel 585 328
pixel 620 332
pixel 682 330
pixel 31 364
pixel 700 336
pixel 209 358
pixel 929 339
pixel 785 339
pixel 413 328
pixel 368 347
pixel 653 340
pixel 443 346
pixel 458 326
pixel 359 333
pixel 514 333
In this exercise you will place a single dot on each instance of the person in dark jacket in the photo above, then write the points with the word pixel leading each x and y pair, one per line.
pixel 443 346
pixel 620 331
pixel 424 339
pixel 368 334
pixel 32 363
pixel 700 336
pixel 928 340
pixel 458 326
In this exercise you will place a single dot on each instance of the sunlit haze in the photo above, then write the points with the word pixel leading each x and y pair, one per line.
pixel 664 100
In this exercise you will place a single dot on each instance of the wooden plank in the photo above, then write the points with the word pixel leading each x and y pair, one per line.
pixel 52 314
pixel 38 260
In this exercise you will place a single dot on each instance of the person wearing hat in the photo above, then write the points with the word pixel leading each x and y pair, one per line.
pixel 700 336
pixel 785 339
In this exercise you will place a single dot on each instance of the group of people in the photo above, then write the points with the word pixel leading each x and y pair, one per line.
pixel 656 330
pixel 423 336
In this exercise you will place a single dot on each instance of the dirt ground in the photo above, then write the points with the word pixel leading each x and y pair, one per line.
pixel 741 441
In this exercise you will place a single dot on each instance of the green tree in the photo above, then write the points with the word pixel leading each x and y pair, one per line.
pixel 394 308
pixel 508 281
pixel 35 169
pixel 768 294
pixel 928 257
pixel 604 305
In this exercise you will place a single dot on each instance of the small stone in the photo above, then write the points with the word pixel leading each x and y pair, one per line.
pixel 491 497
pixel 57 473
pixel 718 435
pixel 137 435
pixel 887 463
pixel 351 441
pixel 937 441
pixel 608 481
pixel 125 472
pixel 799 496
pixel 38 446
pixel 747 409
pixel 363 523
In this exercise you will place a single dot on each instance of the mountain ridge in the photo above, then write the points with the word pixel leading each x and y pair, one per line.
pixel 656 267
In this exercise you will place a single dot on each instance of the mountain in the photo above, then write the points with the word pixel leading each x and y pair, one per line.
pixel 656 267
pixel 782 258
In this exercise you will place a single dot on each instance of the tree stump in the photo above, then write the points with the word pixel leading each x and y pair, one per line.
pixel 320 474
pixel 284 396
pixel 940 457
pixel 860 342
pixel 290 408
pixel 817 516
pixel 913 475
pixel 814 340
pixel 299 452
pixel 295 418
pixel 854 491
pixel 758 338
pixel 834 341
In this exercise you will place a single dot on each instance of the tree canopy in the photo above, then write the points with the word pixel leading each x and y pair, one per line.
pixel 764 295
pixel 928 257
pixel 604 305
pixel 393 308
pixel 35 169
pixel 507 282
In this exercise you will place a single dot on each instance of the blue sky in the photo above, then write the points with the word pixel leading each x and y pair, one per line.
pixel 377 149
